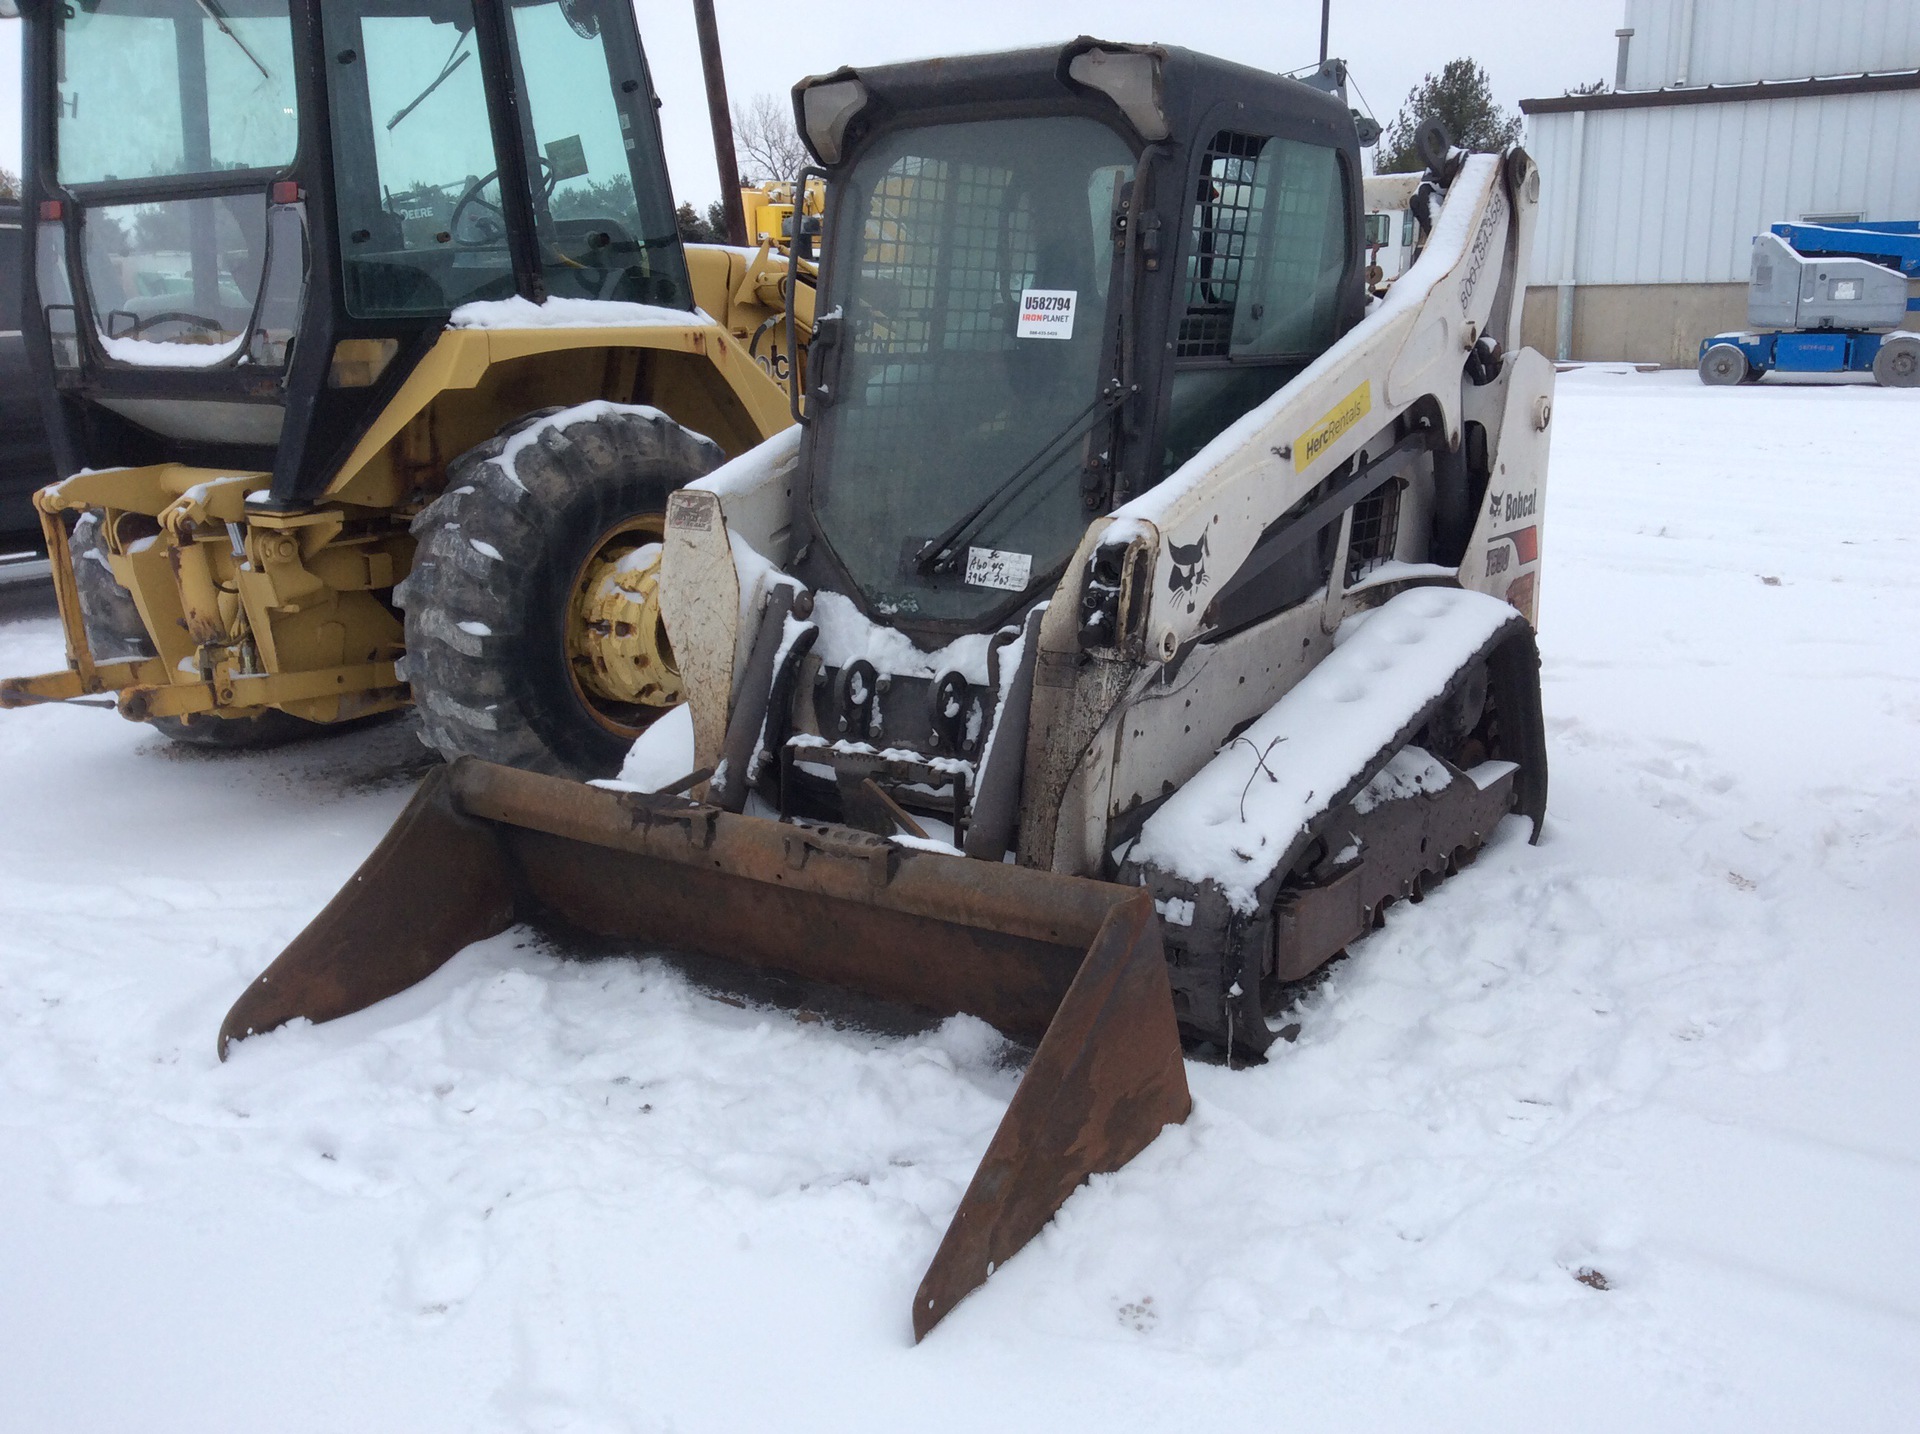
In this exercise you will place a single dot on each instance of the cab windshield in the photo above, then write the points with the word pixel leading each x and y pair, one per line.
pixel 973 287
pixel 423 220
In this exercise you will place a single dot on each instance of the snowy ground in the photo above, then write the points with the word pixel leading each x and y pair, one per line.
pixel 1674 1044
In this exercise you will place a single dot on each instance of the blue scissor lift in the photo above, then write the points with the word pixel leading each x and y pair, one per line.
pixel 1825 298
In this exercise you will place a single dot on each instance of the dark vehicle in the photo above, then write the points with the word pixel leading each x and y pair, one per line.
pixel 26 463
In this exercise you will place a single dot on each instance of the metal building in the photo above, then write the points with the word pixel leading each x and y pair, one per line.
pixel 1726 116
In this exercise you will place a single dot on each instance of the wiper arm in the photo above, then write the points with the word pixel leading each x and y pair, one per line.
pixel 220 22
pixel 941 553
pixel 455 60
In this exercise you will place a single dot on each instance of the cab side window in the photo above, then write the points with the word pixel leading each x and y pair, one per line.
pixel 1266 255
pixel 599 199
pixel 422 229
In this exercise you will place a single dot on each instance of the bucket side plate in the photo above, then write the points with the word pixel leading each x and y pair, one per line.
pixel 437 883
pixel 1107 1079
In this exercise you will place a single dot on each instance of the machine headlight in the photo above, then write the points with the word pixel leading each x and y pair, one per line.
pixel 1131 79
pixel 826 108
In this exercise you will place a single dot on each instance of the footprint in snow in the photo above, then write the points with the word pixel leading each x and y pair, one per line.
pixel 1139 1315
pixel 442 1265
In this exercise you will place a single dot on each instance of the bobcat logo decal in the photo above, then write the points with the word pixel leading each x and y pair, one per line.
pixel 1189 573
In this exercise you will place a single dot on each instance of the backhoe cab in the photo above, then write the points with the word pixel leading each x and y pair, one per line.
pixel 1136 617
pixel 297 265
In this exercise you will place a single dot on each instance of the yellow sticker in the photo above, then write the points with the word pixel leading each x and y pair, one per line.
pixel 1319 438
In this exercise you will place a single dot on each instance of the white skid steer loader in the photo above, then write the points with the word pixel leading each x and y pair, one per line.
pixel 1138 611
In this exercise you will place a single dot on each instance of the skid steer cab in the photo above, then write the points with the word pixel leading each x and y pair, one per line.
pixel 1137 615
pixel 370 346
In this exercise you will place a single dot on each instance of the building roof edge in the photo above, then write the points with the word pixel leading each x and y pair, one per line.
pixel 1862 84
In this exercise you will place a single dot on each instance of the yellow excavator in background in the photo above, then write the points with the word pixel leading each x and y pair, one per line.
pixel 373 355
pixel 773 221
pixel 769 209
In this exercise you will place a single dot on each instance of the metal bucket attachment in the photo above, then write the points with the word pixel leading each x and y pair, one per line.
pixel 1071 964
pixel 438 882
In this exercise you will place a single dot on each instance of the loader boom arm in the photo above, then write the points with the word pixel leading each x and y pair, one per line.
pixel 1411 347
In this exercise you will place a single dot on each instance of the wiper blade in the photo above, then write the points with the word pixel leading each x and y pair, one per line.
pixel 220 21
pixel 942 552
pixel 455 60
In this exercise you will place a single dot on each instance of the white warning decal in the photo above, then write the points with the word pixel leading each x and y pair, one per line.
pixel 1047 313
pixel 994 568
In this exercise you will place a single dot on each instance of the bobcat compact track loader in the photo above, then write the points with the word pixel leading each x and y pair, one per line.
pixel 370 344
pixel 1137 615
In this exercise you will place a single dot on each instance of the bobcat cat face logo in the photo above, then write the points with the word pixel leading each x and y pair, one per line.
pixel 1189 573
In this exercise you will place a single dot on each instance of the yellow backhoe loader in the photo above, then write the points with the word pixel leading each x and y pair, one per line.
pixel 372 351
pixel 768 212
pixel 1138 614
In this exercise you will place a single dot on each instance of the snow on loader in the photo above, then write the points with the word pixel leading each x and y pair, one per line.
pixel 372 353
pixel 1135 616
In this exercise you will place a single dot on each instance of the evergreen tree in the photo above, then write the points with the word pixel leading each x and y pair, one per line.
pixel 1461 98
pixel 693 229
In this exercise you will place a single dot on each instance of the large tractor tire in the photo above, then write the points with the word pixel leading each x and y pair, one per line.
pixel 1897 365
pixel 533 628
pixel 116 634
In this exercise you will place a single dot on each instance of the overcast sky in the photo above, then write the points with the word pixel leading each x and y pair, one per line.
pixel 1530 47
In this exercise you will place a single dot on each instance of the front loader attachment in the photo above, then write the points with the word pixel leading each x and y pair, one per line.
pixel 1073 965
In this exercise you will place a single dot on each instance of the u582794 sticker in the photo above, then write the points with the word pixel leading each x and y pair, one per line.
pixel 1046 313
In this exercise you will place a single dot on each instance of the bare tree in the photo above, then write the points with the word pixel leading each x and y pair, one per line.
pixel 763 136
pixel 9 184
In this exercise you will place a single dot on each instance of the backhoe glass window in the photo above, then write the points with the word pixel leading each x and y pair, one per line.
pixel 173 283
pixel 155 88
pixel 601 204
pixel 421 225
pixel 972 264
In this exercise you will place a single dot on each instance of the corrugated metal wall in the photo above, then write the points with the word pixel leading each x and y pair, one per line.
pixel 1675 194
pixel 1729 42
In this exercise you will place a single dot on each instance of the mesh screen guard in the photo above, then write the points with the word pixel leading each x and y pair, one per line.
pixel 974 313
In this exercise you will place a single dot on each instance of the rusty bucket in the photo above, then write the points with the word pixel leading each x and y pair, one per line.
pixel 1072 966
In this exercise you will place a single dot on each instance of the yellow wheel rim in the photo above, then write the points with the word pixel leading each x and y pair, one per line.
pixel 618 655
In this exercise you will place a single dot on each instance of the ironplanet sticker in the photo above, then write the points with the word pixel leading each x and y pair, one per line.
pixel 1046 313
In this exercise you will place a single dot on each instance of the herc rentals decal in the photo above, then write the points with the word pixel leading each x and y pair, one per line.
pixel 1324 434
